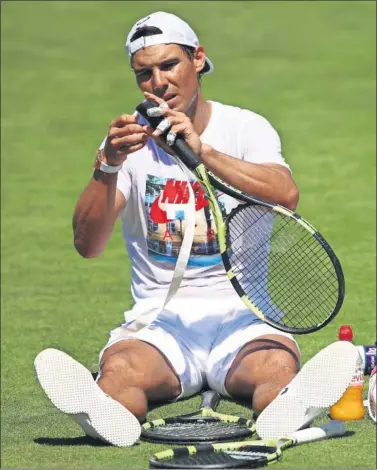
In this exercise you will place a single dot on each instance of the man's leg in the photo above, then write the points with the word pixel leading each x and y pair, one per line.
pixel 257 363
pixel 262 368
pixel 134 373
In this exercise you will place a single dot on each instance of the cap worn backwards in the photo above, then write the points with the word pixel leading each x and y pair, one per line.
pixel 164 28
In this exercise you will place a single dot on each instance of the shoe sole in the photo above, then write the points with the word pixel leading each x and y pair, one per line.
pixel 71 389
pixel 320 383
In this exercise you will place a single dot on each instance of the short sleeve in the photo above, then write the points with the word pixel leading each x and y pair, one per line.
pixel 261 143
pixel 124 181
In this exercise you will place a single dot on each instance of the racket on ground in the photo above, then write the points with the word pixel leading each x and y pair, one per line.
pixel 247 454
pixel 204 425
pixel 281 266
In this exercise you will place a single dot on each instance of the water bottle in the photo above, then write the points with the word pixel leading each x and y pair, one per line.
pixel 350 407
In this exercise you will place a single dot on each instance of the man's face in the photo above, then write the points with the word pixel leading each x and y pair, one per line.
pixel 166 71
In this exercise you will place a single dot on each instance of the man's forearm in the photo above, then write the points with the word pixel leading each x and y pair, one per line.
pixel 95 215
pixel 263 181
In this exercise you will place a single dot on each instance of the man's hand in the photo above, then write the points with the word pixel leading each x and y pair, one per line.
pixel 177 123
pixel 125 136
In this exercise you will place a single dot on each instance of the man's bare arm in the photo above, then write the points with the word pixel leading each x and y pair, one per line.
pixel 95 214
pixel 101 202
pixel 268 181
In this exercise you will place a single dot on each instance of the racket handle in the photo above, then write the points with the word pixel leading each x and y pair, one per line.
pixel 180 146
pixel 210 399
pixel 331 429
pixel 185 154
pixel 142 109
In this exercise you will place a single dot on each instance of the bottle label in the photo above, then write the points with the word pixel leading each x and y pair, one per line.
pixel 358 376
pixel 357 380
pixel 370 359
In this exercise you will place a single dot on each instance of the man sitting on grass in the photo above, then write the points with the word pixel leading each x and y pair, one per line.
pixel 205 336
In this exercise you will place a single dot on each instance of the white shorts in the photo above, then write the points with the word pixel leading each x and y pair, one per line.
pixel 200 337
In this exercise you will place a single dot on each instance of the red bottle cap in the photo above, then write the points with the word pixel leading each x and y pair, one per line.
pixel 345 333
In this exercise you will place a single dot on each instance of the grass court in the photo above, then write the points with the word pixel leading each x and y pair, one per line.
pixel 308 67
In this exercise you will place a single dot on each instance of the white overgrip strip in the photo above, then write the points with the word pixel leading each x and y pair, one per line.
pixel 188 238
pixel 326 431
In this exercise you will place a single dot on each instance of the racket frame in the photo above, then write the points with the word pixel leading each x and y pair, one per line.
pixel 209 181
pixel 272 448
pixel 209 402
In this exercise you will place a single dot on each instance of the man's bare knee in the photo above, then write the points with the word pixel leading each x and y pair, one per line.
pixel 262 369
pixel 134 372
pixel 124 369
pixel 262 360
pixel 281 371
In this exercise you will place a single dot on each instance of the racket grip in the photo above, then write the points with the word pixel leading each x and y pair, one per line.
pixel 210 399
pixel 142 109
pixel 180 146
pixel 331 429
pixel 184 152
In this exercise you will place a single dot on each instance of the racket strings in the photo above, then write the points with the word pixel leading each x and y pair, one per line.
pixel 297 245
pixel 216 460
pixel 283 269
pixel 240 457
pixel 293 279
pixel 202 430
pixel 246 257
pixel 298 283
pixel 326 280
pixel 198 429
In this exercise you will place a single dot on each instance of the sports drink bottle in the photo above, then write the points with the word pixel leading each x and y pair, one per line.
pixel 350 407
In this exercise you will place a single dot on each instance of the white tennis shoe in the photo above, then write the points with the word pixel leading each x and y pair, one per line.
pixel 320 383
pixel 71 388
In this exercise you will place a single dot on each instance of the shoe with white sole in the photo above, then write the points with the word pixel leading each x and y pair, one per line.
pixel 71 388
pixel 320 383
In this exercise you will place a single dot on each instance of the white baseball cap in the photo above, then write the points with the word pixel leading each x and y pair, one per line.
pixel 169 29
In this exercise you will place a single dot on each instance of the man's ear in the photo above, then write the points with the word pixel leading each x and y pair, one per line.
pixel 199 58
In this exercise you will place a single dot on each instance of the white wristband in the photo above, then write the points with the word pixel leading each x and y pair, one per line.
pixel 105 168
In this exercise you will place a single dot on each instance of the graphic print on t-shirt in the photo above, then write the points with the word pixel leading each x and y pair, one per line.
pixel 167 208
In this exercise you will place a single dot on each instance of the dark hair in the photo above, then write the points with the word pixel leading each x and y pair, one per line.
pixel 190 51
pixel 145 31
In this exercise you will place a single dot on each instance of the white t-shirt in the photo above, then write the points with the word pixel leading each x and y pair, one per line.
pixel 156 192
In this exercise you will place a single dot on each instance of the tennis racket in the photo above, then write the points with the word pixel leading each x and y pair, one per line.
pixel 247 454
pixel 281 266
pixel 204 425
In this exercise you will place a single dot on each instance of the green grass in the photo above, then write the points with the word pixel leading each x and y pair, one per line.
pixel 309 67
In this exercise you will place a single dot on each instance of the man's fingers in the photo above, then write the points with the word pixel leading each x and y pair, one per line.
pixel 148 129
pixel 164 125
pixel 157 99
pixel 171 138
pixel 126 130
pixel 155 112
pixel 171 123
pixel 129 140
pixel 132 148
pixel 123 120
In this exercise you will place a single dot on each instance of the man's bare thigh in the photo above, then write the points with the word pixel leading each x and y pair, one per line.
pixel 142 365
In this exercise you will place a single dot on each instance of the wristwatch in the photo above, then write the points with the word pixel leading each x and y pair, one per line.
pixel 101 165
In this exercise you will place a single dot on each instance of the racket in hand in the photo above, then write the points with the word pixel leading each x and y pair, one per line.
pixel 247 454
pixel 203 425
pixel 281 267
